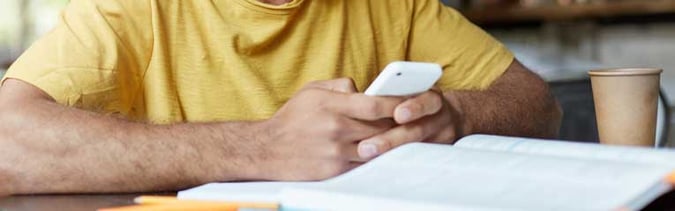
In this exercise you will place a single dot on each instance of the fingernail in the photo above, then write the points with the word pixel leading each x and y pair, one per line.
pixel 404 114
pixel 367 151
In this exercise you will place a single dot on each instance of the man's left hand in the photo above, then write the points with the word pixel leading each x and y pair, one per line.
pixel 425 117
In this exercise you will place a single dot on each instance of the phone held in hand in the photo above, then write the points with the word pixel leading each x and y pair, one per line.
pixel 405 79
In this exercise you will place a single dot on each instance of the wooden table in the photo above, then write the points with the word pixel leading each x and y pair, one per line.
pixel 93 202
pixel 67 202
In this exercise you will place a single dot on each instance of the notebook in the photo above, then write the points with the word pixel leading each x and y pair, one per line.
pixel 479 172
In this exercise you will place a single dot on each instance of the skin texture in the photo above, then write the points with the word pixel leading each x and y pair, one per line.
pixel 4 185
pixel 49 148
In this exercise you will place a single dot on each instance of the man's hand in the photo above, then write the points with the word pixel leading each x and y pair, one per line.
pixel 425 117
pixel 517 104
pixel 315 134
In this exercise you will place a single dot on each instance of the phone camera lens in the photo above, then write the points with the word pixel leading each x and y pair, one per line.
pixel 399 74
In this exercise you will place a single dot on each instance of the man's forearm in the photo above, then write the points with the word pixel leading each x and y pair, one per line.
pixel 49 148
pixel 518 104
pixel 45 147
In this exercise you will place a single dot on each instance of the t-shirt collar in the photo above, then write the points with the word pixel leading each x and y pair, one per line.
pixel 274 9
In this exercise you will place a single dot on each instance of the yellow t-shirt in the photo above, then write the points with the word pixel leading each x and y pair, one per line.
pixel 168 61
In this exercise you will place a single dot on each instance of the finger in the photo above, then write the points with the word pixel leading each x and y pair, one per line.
pixel 403 134
pixel 344 85
pixel 351 153
pixel 362 107
pixel 448 135
pixel 419 106
pixel 356 130
pixel 353 165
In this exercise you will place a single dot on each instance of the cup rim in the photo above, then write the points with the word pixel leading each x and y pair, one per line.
pixel 625 71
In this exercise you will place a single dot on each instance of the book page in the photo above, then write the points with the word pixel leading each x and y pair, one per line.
pixel 241 191
pixel 317 199
pixel 445 177
pixel 663 157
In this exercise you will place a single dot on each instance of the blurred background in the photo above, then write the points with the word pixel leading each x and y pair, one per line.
pixel 23 21
pixel 563 39
pixel 560 39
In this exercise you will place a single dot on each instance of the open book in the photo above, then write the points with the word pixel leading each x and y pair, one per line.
pixel 479 172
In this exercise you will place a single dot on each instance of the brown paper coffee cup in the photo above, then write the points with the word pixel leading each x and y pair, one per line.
pixel 626 105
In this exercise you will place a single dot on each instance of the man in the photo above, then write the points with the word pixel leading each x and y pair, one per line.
pixel 152 95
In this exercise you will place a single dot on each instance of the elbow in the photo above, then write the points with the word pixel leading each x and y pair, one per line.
pixel 538 112
pixel 6 181
pixel 18 102
pixel 10 147
pixel 549 118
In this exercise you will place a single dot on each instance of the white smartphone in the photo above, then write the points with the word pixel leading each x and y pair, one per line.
pixel 404 79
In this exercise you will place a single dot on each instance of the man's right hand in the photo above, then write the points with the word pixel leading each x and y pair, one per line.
pixel 312 137
pixel 315 134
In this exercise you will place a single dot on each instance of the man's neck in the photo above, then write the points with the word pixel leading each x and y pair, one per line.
pixel 275 2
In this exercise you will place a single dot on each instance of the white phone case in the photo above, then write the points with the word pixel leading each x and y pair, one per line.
pixel 405 79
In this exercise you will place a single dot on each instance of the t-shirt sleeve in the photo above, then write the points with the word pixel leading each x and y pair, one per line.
pixel 471 58
pixel 87 60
